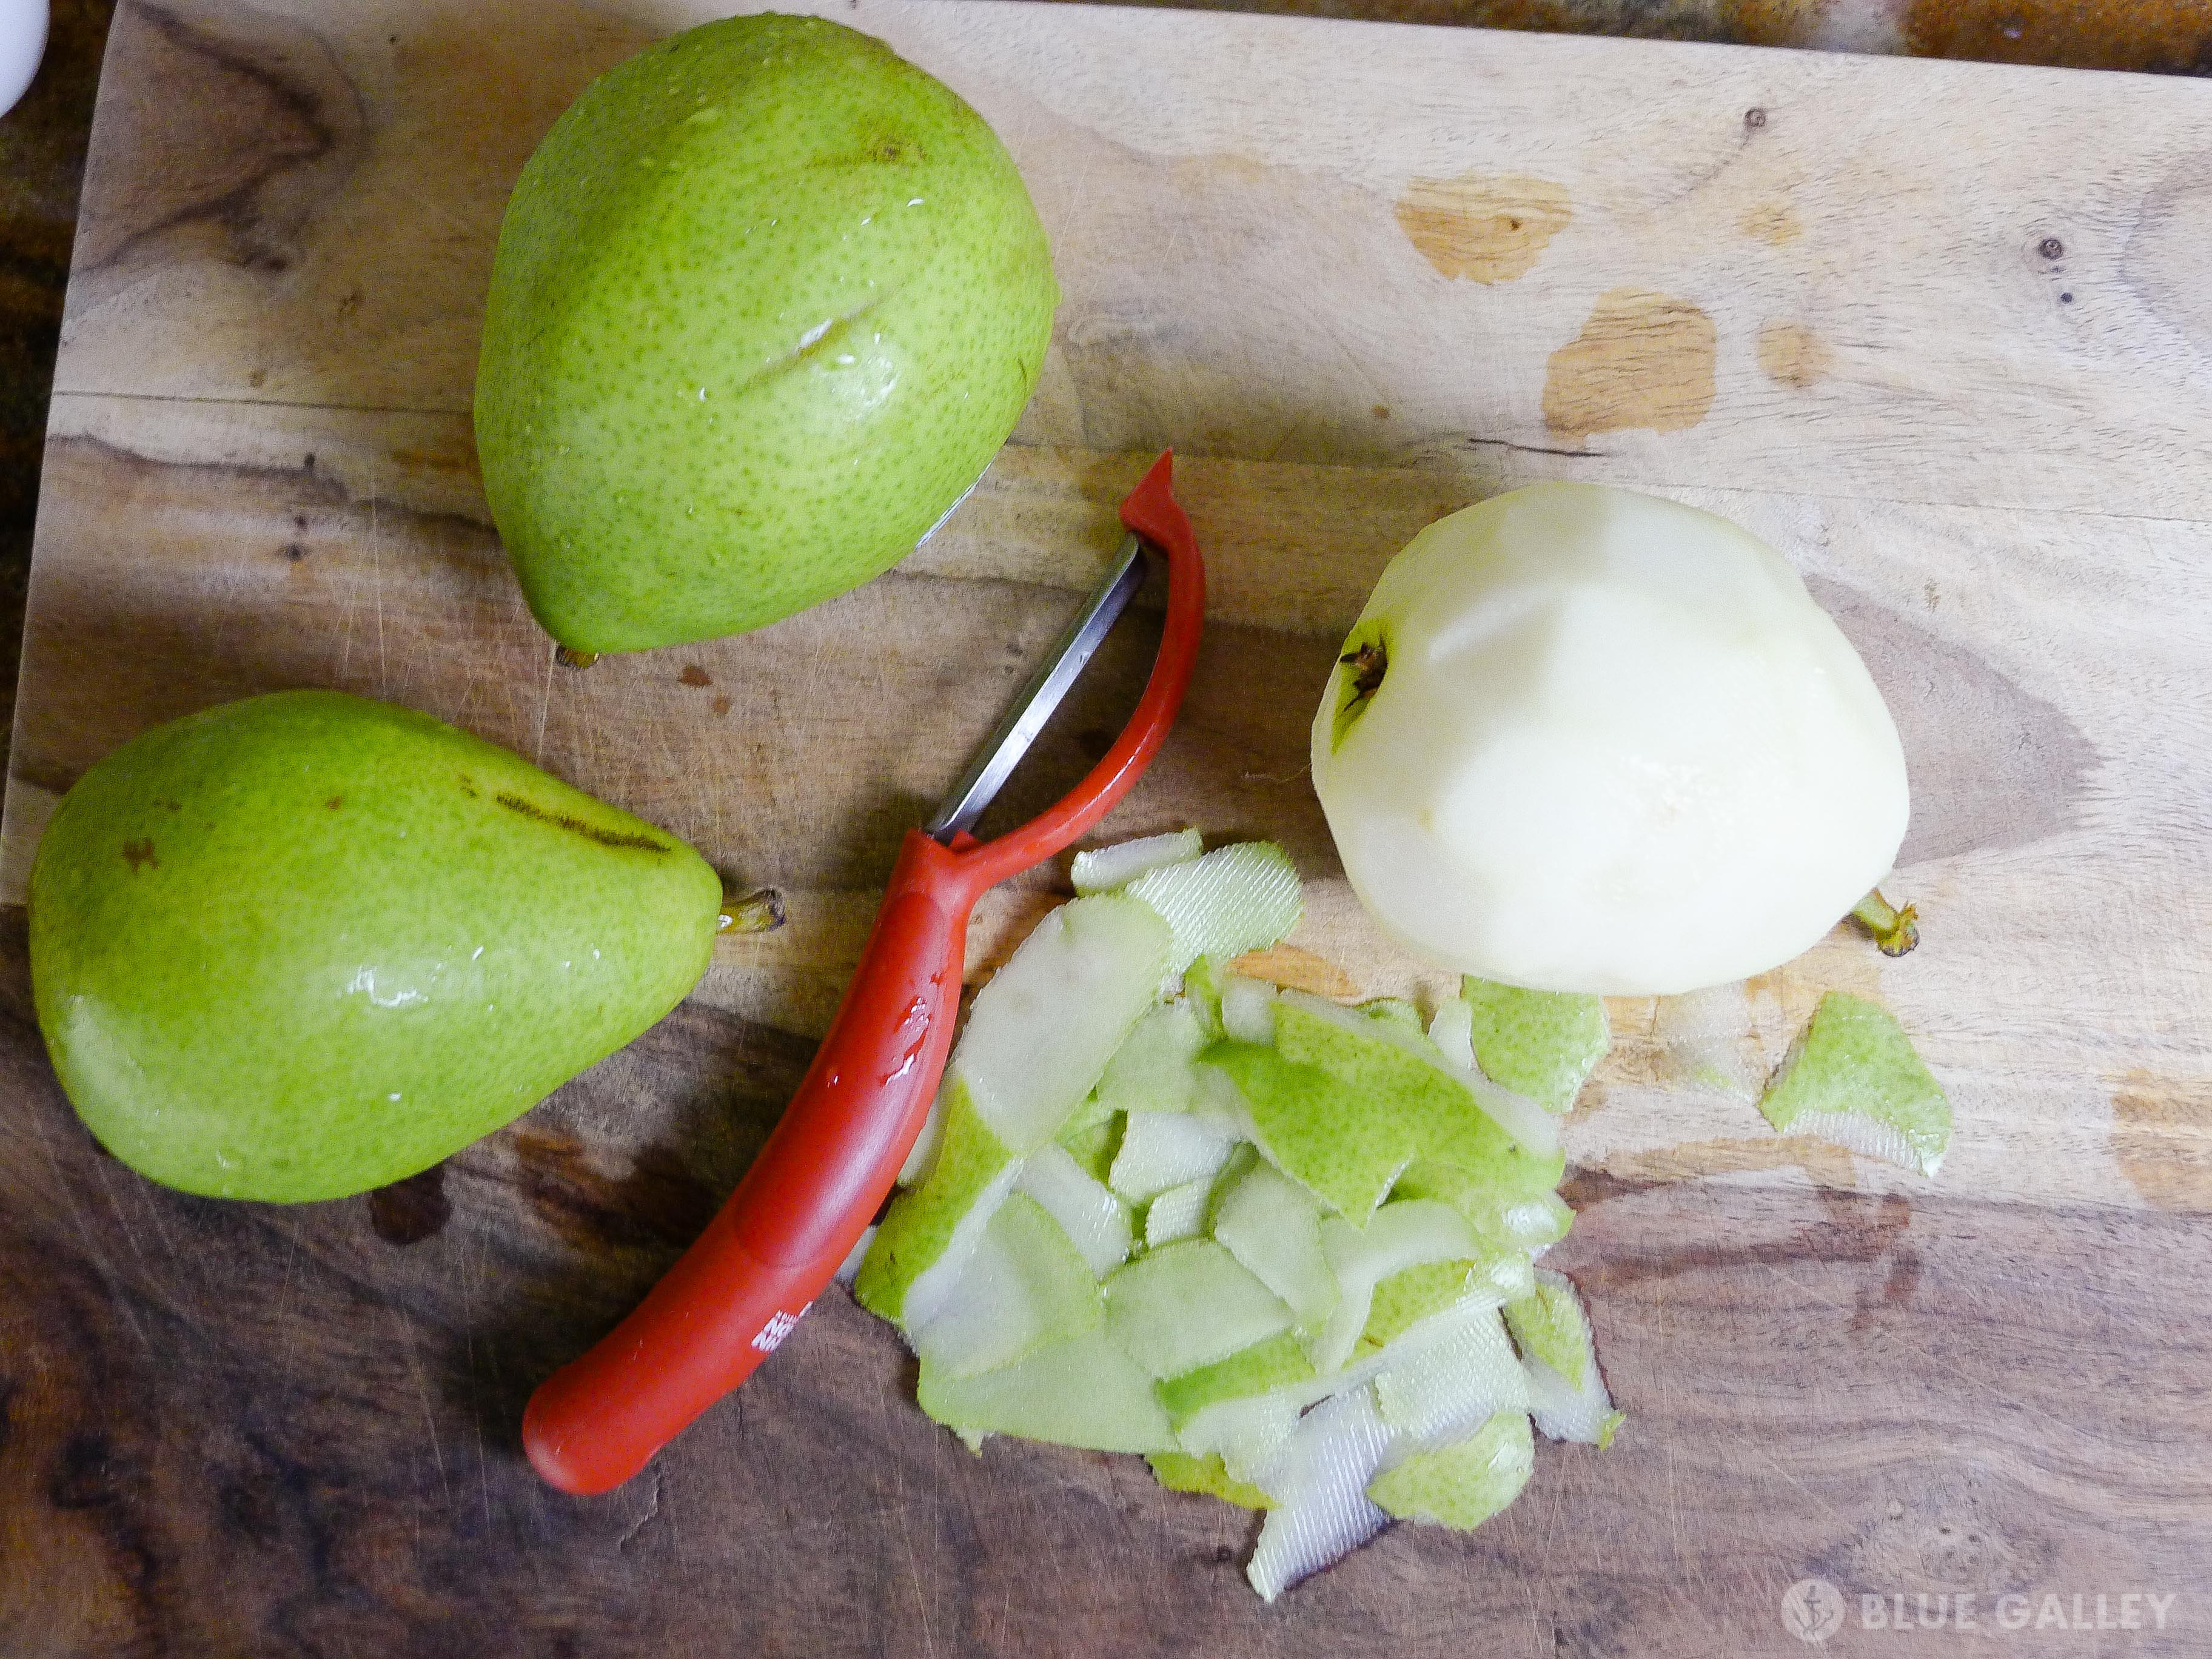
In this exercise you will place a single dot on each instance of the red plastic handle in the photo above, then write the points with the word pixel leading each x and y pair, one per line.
pixel 736 1293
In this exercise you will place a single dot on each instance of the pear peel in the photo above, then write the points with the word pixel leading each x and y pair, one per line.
pixel 1088 1211
pixel 1542 1044
pixel 1460 1485
pixel 1242 897
pixel 1333 1219
pixel 1855 1078
pixel 1177 1213
pixel 1189 1304
pixel 1105 869
pixel 1023 1285
pixel 1566 1391
pixel 1180 1471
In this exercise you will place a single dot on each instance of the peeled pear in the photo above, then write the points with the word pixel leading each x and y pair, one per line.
pixel 306 945
pixel 1586 740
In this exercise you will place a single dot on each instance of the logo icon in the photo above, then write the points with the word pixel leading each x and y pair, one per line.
pixel 770 1336
pixel 1812 1610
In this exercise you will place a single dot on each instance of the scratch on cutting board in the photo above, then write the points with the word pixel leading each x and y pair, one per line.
pixel 653 1508
pixel 903 1521
pixel 423 1390
pixel 376 583
pixel 544 710
pixel 107 1275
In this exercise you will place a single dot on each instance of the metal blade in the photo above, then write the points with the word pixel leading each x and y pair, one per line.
pixel 1024 718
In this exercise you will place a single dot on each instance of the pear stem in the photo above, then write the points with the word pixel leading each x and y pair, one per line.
pixel 1895 932
pixel 759 911
pixel 1368 664
pixel 569 659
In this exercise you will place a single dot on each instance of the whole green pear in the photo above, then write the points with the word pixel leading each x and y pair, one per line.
pixel 767 301
pixel 305 945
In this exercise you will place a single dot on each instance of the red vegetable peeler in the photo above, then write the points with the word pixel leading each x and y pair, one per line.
pixel 811 1194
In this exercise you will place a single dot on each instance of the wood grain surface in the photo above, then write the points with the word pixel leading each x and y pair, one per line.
pixel 1938 331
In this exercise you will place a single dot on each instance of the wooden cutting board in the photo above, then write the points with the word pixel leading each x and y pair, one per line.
pixel 1940 332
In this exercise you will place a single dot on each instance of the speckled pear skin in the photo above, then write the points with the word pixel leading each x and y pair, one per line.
pixel 305 945
pixel 767 301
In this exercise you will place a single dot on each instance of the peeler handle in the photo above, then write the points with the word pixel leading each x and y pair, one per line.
pixel 736 1292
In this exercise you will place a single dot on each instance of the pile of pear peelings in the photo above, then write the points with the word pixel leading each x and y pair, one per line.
pixel 1286 1248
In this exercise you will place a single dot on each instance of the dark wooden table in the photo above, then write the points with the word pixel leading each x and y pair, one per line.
pixel 200 1451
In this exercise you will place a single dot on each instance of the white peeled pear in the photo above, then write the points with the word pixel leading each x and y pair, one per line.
pixel 1606 744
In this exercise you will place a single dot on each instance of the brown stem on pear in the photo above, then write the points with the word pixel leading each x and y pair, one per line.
pixel 1895 932
pixel 760 911
pixel 1368 664
pixel 569 659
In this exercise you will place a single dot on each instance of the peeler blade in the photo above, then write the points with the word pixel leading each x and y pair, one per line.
pixel 995 763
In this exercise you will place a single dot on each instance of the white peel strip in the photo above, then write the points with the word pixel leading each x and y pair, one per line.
pixel 1102 869
pixel 1176 1214
pixel 933 1287
pixel 1870 1137
pixel 1247 1009
pixel 1319 1482
pixel 1092 1217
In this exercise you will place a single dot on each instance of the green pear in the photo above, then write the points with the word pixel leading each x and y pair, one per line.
pixel 767 301
pixel 306 945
